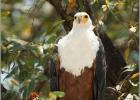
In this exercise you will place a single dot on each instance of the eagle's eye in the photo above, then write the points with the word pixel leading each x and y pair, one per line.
pixel 86 16
pixel 75 17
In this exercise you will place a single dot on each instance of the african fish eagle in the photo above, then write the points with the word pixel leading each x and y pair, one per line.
pixel 81 68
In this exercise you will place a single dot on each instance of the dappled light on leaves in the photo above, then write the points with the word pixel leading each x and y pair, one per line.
pixel 30 30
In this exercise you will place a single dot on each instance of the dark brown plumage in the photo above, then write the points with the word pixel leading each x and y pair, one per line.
pixel 77 88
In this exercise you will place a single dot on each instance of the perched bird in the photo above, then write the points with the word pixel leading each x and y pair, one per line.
pixel 81 66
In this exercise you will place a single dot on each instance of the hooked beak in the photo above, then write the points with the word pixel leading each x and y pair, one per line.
pixel 79 19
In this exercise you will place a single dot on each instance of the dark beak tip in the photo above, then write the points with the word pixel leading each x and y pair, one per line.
pixel 79 20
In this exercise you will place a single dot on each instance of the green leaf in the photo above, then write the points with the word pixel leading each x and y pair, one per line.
pixel 15 69
pixel 56 26
pixel 65 1
pixel 51 38
pixel 134 89
pixel 133 84
pixel 59 93
pixel 81 7
pixel 135 75
pixel 107 2
pixel 94 1
pixel 42 98
pixel 29 89
pixel 129 68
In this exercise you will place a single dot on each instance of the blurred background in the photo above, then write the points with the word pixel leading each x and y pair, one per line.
pixel 30 29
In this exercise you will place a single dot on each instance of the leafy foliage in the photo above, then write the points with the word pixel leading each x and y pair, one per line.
pixel 30 29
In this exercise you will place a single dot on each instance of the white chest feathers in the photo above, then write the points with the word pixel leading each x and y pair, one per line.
pixel 77 51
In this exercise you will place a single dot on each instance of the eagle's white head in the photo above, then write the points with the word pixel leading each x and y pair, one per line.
pixel 78 48
pixel 82 20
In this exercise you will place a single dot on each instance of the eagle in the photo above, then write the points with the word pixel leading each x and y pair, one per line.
pixel 80 69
